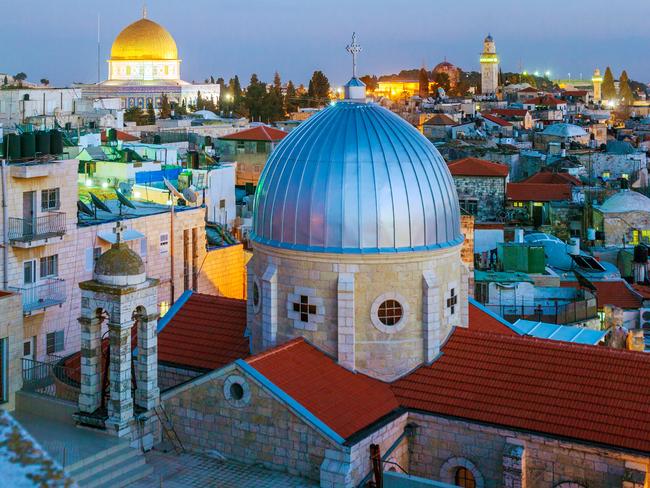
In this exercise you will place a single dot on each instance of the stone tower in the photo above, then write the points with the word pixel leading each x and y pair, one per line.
pixel 121 295
pixel 597 80
pixel 489 67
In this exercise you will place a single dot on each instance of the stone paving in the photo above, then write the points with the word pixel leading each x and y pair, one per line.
pixel 195 470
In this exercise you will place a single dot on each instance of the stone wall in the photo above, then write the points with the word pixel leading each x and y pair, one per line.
pixel 488 191
pixel 259 430
pixel 382 352
pixel 441 444
pixel 620 225
pixel 223 272
pixel 11 329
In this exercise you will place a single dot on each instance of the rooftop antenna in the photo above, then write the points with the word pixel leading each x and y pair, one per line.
pixel 98 50
pixel 354 48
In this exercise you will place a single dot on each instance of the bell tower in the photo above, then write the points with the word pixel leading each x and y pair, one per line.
pixel 121 295
pixel 489 67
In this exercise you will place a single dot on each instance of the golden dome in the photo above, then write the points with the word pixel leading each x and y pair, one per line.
pixel 144 40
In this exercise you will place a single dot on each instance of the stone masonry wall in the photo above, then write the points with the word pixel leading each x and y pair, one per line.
pixel 546 462
pixel 489 192
pixel 223 272
pixel 261 431
pixel 11 329
pixel 618 226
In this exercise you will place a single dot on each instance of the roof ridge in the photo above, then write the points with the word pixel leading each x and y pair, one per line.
pixel 270 352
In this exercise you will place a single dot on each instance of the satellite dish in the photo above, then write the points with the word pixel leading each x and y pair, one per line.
pixel 190 195
pixel 123 200
pixel 84 209
pixel 172 189
pixel 98 203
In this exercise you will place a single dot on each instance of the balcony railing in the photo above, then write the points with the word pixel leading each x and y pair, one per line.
pixel 42 295
pixel 38 228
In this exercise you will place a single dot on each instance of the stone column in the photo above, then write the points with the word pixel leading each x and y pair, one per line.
pixel 147 394
pixel 345 306
pixel 269 307
pixel 91 383
pixel 431 318
pixel 120 405
pixel 513 466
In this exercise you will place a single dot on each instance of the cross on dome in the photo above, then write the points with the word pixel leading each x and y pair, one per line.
pixel 117 230
pixel 354 48
pixel 144 10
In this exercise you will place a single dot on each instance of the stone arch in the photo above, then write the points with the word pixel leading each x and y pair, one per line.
pixel 448 470
pixel 569 484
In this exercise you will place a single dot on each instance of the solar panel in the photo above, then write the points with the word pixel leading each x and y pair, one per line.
pixel 587 262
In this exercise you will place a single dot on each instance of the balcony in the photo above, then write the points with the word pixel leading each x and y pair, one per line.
pixel 36 298
pixel 28 233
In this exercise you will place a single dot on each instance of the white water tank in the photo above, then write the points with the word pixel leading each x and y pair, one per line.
pixel 519 235
pixel 573 246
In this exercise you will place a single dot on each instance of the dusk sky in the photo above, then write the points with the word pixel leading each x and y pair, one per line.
pixel 57 40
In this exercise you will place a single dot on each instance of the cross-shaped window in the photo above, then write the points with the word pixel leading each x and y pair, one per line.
pixel 452 301
pixel 304 308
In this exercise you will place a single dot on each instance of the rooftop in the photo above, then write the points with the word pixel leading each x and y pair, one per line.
pixel 496 120
pixel 538 192
pixel 259 133
pixel 477 167
pixel 142 209
pixel 440 119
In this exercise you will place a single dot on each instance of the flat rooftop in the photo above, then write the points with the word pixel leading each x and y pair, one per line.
pixel 142 209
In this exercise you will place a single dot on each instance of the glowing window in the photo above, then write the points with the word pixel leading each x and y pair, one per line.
pixel 164 308
pixel 464 478
pixel 390 312
pixel 128 70
pixel 166 69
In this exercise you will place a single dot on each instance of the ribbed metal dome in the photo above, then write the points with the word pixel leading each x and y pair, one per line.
pixel 356 178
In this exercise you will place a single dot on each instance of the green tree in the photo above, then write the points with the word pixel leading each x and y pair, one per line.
pixel 5 81
pixel 291 98
pixel 277 83
pixel 165 107
pixel 254 100
pixel 370 82
pixel 608 88
pixel 151 115
pixel 442 81
pixel 45 81
pixel 180 108
pixel 134 114
pixel 319 89
pixel 624 90
pixel 200 103
pixel 20 76
pixel 423 81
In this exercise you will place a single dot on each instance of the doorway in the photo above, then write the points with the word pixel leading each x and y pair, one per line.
pixel 29 215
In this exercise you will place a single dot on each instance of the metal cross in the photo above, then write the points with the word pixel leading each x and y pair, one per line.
pixel 117 230
pixel 354 48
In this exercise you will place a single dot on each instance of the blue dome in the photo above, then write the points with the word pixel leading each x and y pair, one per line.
pixel 356 178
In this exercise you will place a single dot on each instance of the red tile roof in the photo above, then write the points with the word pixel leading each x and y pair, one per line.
pixel 538 192
pixel 617 293
pixel 554 178
pixel 477 167
pixel 588 393
pixel 575 93
pixel 440 119
pixel 482 321
pixel 121 136
pixel 509 112
pixel 496 120
pixel 529 89
pixel 345 401
pixel 643 290
pixel 259 133
pixel 545 100
pixel 207 332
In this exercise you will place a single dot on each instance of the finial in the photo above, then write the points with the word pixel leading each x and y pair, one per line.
pixel 117 230
pixel 354 48
pixel 144 10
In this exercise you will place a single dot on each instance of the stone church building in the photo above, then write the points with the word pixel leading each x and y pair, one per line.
pixel 363 341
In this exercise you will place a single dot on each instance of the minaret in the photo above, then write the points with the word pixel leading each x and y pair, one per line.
pixel 489 67
pixel 597 80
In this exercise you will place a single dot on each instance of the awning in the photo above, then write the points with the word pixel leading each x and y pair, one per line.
pixel 127 235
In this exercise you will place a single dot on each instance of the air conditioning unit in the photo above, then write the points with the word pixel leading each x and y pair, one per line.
pixel 644 324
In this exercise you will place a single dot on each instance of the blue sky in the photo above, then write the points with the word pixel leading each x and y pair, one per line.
pixel 57 39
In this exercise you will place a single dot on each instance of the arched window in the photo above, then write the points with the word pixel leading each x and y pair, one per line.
pixel 464 478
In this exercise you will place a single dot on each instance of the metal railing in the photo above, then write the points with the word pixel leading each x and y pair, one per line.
pixel 554 312
pixel 48 293
pixel 51 379
pixel 24 230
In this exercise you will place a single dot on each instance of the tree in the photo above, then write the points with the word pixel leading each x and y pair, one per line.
pixel 624 90
pixel 442 81
pixel 20 76
pixel 180 108
pixel 370 82
pixel 277 83
pixel 291 98
pixel 319 89
pixel 608 89
pixel 134 114
pixel 151 115
pixel 200 103
pixel 165 107
pixel 5 81
pixel 423 79
pixel 212 79
pixel 254 100
pixel 45 81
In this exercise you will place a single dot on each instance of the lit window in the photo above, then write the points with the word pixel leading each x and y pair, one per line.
pixel 625 176
pixel 518 204
pixel 390 312
pixel 164 308
pixel 606 174
pixel 464 478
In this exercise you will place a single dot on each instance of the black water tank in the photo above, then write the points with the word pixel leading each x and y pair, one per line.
pixel 11 146
pixel 56 142
pixel 27 145
pixel 42 142
pixel 157 139
pixel 112 135
pixel 641 254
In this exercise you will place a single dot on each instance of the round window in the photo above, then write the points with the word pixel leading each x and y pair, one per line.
pixel 390 312
pixel 256 295
pixel 236 391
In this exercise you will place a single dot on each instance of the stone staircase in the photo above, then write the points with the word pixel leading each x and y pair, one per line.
pixel 114 467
